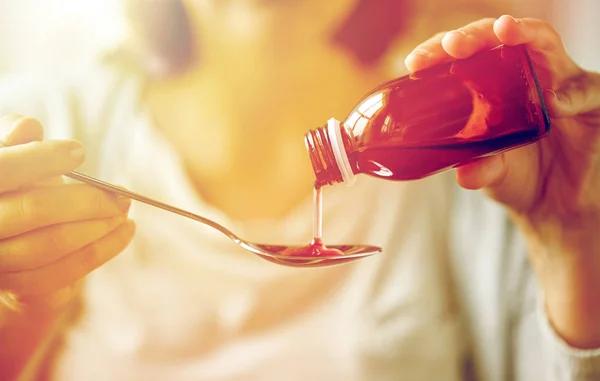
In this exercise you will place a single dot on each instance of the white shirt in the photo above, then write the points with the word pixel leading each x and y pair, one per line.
pixel 451 297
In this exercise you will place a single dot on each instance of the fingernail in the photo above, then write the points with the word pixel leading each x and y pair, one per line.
pixel 124 203
pixel 551 93
pixel 420 52
pixel 515 20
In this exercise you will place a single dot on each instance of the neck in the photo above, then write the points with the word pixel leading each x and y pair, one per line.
pixel 247 164
pixel 238 117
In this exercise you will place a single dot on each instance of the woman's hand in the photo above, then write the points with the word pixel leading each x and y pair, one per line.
pixel 552 188
pixel 51 234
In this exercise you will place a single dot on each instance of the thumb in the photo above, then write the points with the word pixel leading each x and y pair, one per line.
pixel 16 129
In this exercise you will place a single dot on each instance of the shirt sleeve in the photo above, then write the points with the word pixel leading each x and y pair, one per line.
pixel 79 106
pixel 565 362
pixel 82 105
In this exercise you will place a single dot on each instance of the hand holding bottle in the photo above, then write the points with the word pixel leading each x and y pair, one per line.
pixel 552 187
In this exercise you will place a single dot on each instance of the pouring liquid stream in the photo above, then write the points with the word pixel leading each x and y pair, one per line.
pixel 317 247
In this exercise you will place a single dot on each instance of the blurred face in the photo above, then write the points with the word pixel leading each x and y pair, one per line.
pixel 275 56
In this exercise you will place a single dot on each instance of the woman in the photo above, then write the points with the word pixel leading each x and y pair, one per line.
pixel 220 134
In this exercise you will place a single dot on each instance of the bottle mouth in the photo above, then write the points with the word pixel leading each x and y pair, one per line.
pixel 322 157
pixel 328 155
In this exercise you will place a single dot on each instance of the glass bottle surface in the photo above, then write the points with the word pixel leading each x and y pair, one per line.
pixel 434 120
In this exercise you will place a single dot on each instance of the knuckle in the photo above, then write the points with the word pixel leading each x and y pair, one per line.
pixel 29 207
pixel 545 25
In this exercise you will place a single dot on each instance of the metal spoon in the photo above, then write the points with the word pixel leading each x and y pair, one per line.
pixel 273 253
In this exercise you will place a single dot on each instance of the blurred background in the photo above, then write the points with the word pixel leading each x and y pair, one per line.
pixel 42 34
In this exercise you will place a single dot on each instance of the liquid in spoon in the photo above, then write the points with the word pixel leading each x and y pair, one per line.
pixel 317 253
pixel 316 247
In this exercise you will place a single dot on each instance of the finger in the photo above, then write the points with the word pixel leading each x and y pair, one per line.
pixel 70 268
pixel 53 181
pixel 508 178
pixel 40 207
pixel 470 39
pixel 43 246
pixel 577 96
pixel 481 173
pixel 537 34
pixel 16 129
pixel 426 54
pixel 543 42
pixel 31 162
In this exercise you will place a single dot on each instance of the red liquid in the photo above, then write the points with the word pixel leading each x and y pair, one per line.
pixel 440 118
pixel 316 247
pixel 316 254
pixel 307 256
pixel 448 116
pixel 409 163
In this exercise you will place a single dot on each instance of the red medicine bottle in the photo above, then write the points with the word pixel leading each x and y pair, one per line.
pixel 434 120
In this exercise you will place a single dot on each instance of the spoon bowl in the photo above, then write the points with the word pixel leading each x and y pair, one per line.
pixel 293 256
pixel 283 255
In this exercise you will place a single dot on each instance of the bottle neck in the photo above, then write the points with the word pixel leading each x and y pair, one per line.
pixel 328 155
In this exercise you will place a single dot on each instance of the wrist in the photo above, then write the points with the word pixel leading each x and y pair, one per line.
pixel 16 310
pixel 567 264
pixel 24 327
pixel 574 312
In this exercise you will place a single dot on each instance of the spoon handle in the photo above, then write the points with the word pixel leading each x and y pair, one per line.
pixel 146 200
